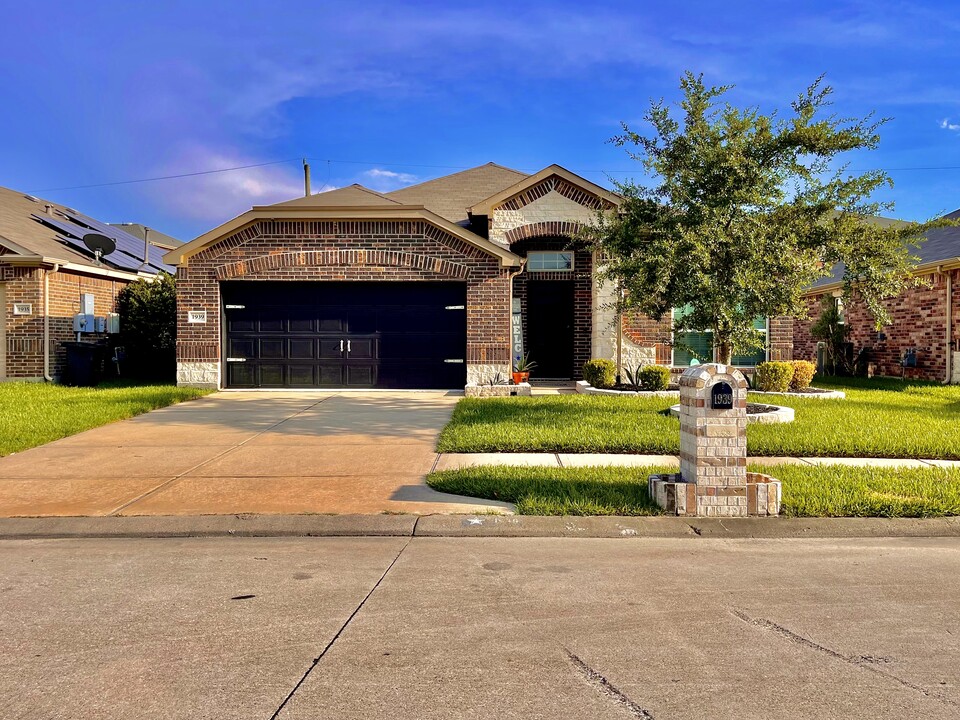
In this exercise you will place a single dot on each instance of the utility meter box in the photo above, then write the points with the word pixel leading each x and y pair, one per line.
pixel 83 323
pixel 101 324
pixel 86 303
pixel 113 323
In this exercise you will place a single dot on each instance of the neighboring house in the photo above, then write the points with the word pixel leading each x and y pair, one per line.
pixel 925 321
pixel 412 288
pixel 45 269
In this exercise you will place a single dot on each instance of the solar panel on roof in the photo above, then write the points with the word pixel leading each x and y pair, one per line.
pixel 126 242
pixel 129 252
pixel 118 260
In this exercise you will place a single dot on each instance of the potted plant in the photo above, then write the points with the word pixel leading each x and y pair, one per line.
pixel 522 365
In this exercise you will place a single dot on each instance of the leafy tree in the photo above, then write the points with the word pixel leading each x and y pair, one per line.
pixel 834 333
pixel 148 327
pixel 746 211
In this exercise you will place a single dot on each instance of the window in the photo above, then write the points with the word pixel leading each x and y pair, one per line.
pixel 554 261
pixel 694 345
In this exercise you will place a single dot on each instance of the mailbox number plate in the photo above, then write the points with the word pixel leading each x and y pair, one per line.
pixel 721 396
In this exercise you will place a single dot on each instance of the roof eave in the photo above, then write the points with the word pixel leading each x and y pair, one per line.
pixel 922 269
pixel 181 255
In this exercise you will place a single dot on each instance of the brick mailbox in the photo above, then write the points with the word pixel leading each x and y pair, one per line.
pixel 713 480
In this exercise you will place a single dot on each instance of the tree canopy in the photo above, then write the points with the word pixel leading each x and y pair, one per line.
pixel 745 212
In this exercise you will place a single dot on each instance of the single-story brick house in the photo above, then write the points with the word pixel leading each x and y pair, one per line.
pixel 45 270
pixel 429 286
pixel 925 321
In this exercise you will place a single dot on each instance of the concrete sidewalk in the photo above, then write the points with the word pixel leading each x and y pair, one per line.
pixel 451 461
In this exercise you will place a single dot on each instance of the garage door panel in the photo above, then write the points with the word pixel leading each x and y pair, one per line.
pixel 302 375
pixel 341 334
pixel 272 348
pixel 302 349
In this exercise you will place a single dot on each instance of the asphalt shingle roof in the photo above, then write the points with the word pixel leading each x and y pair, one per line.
pixel 450 196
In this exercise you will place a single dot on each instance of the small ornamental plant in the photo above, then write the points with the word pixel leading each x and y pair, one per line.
pixel 600 373
pixel 773 377
pixel 522 365
pixel 803 372
pixel 654 377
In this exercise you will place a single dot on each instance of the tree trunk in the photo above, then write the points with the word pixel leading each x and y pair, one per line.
pixel 724 349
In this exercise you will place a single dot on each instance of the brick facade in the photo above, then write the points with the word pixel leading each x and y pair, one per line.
pixel 918 320
pixel 318 250
pixel 25 333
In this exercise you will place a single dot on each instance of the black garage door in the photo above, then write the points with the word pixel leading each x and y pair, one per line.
pixel 345 334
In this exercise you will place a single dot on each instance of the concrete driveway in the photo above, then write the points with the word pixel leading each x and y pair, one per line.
pixel 237 452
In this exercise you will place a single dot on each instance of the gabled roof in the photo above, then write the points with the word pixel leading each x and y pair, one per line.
pixel 486 205
pixel 351 196
pixel 450 196
pixel 29 239
pixel 390 210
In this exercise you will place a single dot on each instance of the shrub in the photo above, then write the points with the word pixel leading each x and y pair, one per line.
pixel 148 328
pixel 600 373
pixel 654 377
pixel 774 376
pixel 803 372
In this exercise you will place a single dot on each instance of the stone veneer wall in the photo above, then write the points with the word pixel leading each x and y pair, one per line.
pixel 342 250
pixel 24 333
pixel 918 321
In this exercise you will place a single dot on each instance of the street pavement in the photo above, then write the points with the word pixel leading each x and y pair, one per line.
pixel 471 627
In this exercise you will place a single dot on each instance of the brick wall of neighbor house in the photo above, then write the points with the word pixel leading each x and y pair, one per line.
pixel 918 320
pixel 780 338
pixel 582 277
pixel 342 250
pixel 65 290
pixel 25 332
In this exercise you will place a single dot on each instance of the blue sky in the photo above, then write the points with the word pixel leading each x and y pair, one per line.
pixel 390 93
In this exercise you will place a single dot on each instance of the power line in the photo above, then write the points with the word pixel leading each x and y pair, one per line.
pixel 164 177
pixel 402 165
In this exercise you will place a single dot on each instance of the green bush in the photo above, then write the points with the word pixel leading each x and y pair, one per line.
pixel 148 328
pixel 600 373
pixel 654 377
pixel 774 376
pixel 803 372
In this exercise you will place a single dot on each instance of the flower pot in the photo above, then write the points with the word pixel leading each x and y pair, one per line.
pixel 520 377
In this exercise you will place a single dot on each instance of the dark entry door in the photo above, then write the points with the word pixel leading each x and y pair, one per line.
pixel 550 327
pixel 345 334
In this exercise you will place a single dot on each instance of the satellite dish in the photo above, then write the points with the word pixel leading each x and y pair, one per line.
pixel 99 245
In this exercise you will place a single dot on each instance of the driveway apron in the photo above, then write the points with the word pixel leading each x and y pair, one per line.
pixel 245 452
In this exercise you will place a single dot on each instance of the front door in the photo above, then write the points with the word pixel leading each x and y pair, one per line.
pixel 550 328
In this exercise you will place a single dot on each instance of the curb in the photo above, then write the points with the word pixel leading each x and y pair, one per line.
pixel 467 526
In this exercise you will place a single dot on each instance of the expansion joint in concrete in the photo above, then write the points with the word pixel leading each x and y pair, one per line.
pixel 356 610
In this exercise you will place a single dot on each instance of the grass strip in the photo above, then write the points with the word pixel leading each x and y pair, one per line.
pixel 808 491
pixel 878 418
pixel 32 414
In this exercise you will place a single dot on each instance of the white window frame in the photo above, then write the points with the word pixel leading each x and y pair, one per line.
pixel 542 253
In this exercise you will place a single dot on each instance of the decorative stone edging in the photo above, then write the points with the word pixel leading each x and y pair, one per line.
pixel 780 414
pixel 585 388
pixel 474 390
pixel 679 497
pixel 824 395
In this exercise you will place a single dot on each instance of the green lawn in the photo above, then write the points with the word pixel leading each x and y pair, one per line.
pixel 32 414
pixel 807 491
pixel 878 418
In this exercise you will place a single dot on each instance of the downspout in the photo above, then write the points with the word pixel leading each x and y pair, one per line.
pixel 949 329
pixel 46 322
pixel 511 276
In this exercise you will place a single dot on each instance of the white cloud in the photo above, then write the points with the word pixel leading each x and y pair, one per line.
pixel 945 124
pixel 386 180
pixel 216 197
